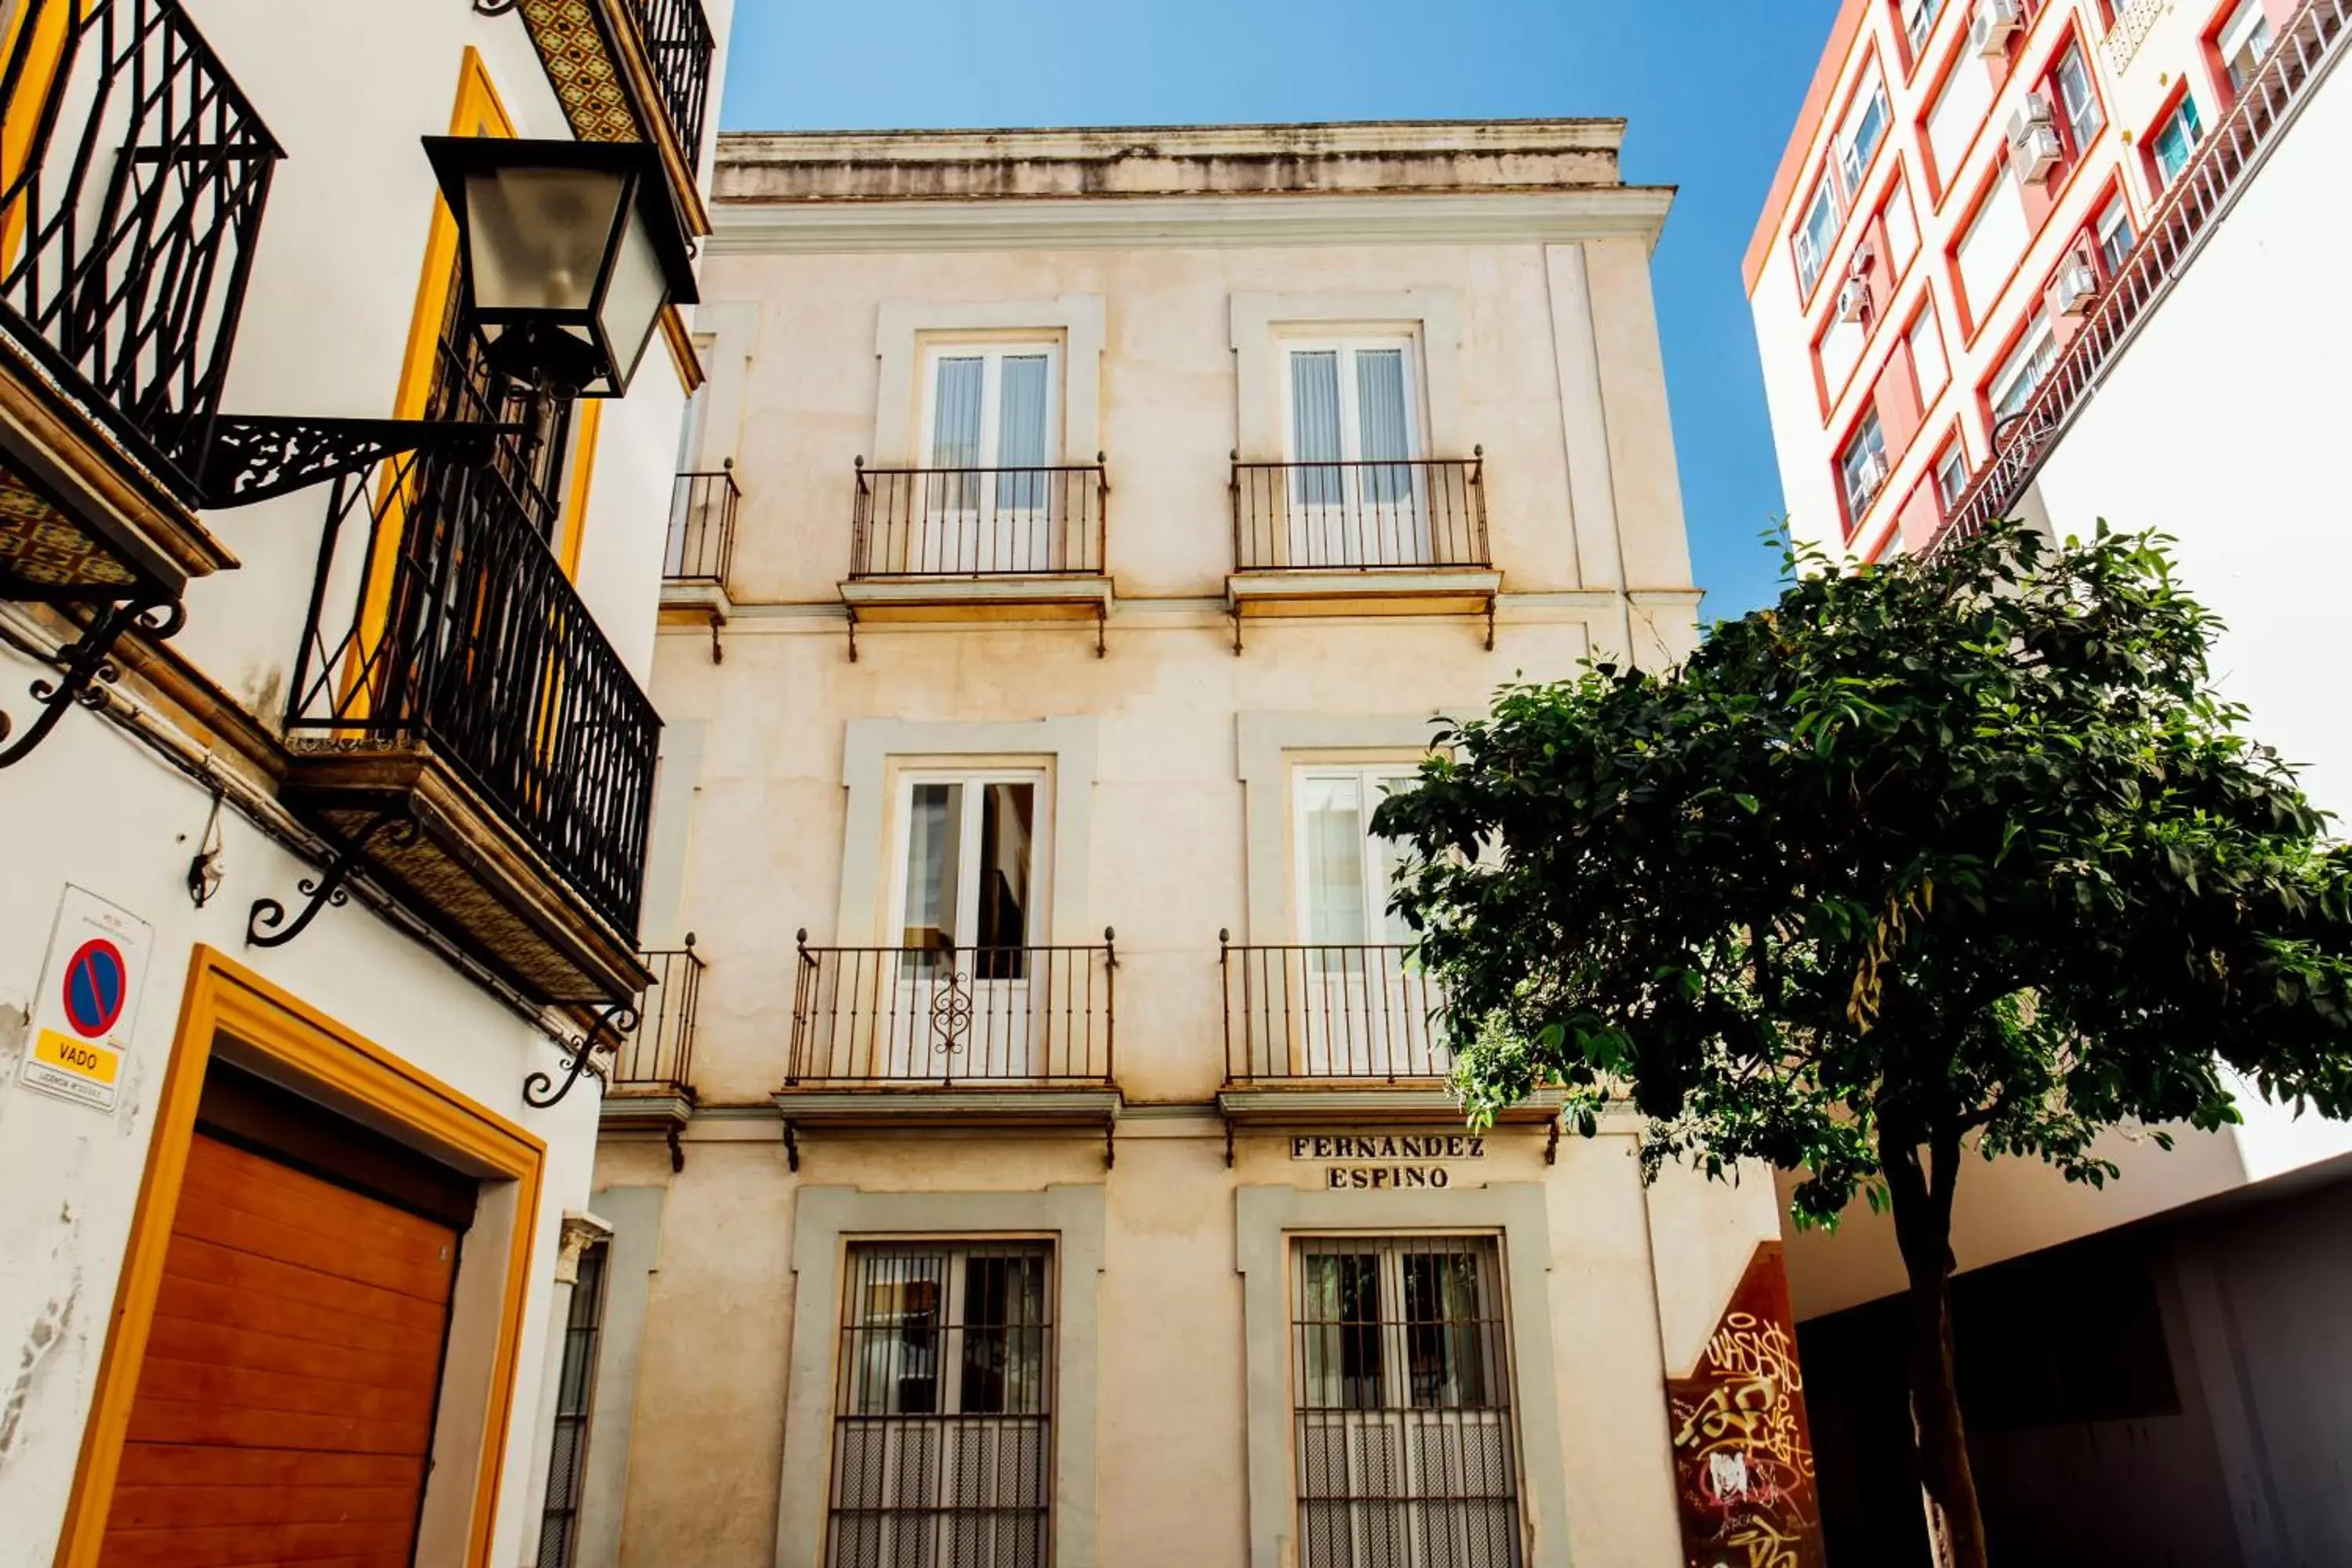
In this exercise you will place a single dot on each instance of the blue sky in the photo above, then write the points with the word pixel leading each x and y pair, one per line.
pixel 1711 88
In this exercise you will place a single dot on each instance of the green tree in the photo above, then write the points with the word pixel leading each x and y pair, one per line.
pixel 1960 853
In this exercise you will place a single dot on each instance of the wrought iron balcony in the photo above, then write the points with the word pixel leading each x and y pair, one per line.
pixel 677 39
pixel 2173 237
pixel 934 545
pixel 970 1018
pixel 980 522
pixel 132 179
pixel 702 543
pixel 463 731
pixel 1361 517
pixel 657 1057
pixel 1351 1015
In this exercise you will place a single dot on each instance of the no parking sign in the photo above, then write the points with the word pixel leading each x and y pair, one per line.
pixel 88 1001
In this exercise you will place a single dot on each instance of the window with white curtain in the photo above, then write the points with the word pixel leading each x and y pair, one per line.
pixel 1345 874
pixel 2243 42
pixel 991 416
pixel 2023 371
pixel 1353 431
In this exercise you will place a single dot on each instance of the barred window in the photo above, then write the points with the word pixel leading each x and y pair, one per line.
pixel 575 1388
pixel 1406 1457
pixel 943 1407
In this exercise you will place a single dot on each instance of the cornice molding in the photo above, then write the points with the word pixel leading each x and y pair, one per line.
pixel 1224 222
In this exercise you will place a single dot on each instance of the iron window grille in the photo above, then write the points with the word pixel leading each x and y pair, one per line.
pixel 1406 1454
pixel 575 1392
pixel 943 1424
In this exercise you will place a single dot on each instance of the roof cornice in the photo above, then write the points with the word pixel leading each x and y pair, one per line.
pixel 784 227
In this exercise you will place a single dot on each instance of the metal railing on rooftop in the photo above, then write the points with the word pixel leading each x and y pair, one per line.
pixel 2302 52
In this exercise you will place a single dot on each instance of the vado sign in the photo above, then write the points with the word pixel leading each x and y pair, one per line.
pixel 1388 1161
pixel 88 1001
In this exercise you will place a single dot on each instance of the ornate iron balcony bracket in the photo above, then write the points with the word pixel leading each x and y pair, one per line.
pixel 88 665
pixel 257 457
pixel 261 922
pixel 540 1091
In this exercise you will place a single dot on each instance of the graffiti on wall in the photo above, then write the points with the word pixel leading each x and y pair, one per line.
pixel 1743 1456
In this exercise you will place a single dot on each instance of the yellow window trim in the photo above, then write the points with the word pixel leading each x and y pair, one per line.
pixel 20 118
pixel 223 997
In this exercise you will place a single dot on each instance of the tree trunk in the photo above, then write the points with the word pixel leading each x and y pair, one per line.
pixel 1923 1226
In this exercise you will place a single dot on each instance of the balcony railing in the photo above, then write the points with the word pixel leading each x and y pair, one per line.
pixel 132 178
pixel 990 1017
pixel 980 522
pixel 658 1057
pixel 677 43
pixel 2304 49
pixel 702 527
pixel 1345 1014
pixel 2135 21
pixel 440 620
pixel 1336 517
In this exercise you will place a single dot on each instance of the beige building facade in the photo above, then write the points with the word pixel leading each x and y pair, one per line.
pixel 1038 1152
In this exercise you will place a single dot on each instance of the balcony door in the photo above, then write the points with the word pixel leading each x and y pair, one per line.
pixel 1365 1008
pixel 1354 429
pixel 985 504
pixel 969 914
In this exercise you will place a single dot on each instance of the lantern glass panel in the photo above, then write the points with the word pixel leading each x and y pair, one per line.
pixel 633 298
pixel 537 237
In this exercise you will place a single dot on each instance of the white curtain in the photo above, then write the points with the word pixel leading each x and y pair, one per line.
pixel 1021 433
pixel 1315 425
pixel 955 432
pixel 1380 422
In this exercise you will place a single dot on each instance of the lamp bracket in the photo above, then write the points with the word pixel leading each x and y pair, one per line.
pixel 89 667
pixel 540 1091
pixel 257 458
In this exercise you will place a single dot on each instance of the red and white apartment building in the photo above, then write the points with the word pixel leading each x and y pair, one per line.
pixel 2073 260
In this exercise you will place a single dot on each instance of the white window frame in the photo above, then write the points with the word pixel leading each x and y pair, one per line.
pixel 1372 779
pixel 974 780
pixel 1351 430
pixel 1813 254
pixel 2184 113
pixel 991 355
pixel 1869 438
pixel 1854 157
pixel 2113 217
pixel 1919 18
pixel 2085 120
pixel 2023 372
pixel 2248 29
pixel 1954 455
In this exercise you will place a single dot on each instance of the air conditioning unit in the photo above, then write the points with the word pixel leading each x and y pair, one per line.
pixel 2037 109
pixel 2078 288
pixel 1994 24
pixel 1852 301
pixel 1858 265
pixel 2036 153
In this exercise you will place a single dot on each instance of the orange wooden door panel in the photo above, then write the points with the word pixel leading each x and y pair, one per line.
pixel 284 1412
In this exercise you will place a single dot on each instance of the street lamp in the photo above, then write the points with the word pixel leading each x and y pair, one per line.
pixel 569 251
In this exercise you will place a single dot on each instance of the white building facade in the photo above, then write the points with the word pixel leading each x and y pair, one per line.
pixel 1060 1167
pixel 314 875
pixel 2062 333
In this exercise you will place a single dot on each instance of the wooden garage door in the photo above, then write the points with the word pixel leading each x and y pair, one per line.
pixel 284 1411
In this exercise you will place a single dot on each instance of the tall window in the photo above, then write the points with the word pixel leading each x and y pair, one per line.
pixel 1919 21
pixel 988 437
pixel 2174 143
pixel 1951 477
pixel 2078 103
pixel 1869 129
pixel 1364 1005
pixel 1401 1393
pixel 1862 468
pixel 1815 235
pixel 2023 372
pixel 1354 427
pixel 2114 229
pixel 968 877
pixel 559 1529
pixel 943 1406
pixel 2243 43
